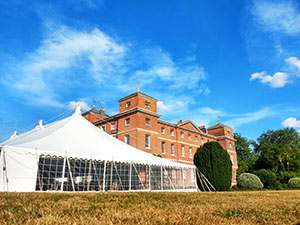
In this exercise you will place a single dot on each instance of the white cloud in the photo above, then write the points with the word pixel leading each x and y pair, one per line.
pixel 294 61
pixel 291 122
pixel 180 104
pixel 75 64
pixel 84 105
pixel 40 75
pixel 280 17
pixel 249 117
pixel 162 107
pixel 208 111
pixel 278 80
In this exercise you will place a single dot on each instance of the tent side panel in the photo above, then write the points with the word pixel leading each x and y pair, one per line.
pixel 2 181
pixel 21 166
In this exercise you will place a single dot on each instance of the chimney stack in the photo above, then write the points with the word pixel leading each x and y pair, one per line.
pixel 102 110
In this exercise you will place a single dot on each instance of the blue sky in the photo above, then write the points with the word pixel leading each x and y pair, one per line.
pixel 238 60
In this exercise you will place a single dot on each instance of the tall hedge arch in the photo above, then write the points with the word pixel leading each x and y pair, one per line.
pixel 214 162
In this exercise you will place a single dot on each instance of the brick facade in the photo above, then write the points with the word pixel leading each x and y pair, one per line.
pixel 138 124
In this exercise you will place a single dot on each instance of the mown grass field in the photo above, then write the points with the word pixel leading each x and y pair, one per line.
pixel 255 207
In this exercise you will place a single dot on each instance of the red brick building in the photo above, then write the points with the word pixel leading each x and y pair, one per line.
pixel 138 124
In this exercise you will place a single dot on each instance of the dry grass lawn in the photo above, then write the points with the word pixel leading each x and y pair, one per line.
pixel 255 207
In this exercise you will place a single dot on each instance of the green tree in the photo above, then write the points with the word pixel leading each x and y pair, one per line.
pixel 279 151
pixel 214 162
pixel 245 156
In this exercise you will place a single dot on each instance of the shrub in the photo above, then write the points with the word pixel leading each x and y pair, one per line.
pixel 249 180
pixel 294 183
pixel 268 178
pixel 215 164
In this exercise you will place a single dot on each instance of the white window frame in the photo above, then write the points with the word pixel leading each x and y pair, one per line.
pixel 172 132
pixel 202 141
pixel 127 139
pixel 147 141
pixel 127 121
pixel 172 149
pixel 181 135
pixel 163 130
pixel 113 126
pixel 232 158
pixel 128 104
pixel 196 138
pixel 191 152
pixel 163 148
pixel 189 137
pixel 230 145
pixel 182 151
pixel 147 104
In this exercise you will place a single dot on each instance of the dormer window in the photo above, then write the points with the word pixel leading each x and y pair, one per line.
pixel 147 104
pixel 128 104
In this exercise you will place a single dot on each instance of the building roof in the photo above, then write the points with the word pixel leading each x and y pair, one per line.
pixel 138 93
pixel 95 111
pixel 218 125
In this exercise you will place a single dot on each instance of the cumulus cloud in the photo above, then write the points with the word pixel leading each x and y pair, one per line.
pixel 291 122
pixel 278 16
pixel 278 80
pixel 295 62
pixel 162 107
pixel 84 105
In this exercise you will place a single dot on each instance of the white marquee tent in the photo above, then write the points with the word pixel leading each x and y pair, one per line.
pixel 73 155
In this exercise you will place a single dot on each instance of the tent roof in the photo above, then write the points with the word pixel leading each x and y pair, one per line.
pixel 77 137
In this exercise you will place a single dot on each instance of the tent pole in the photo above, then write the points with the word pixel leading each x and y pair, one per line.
pixel 111 174
pixel 182 178
pixel 104 173
pixel 195 177
pixel 71 175
pixel 200 179
pixel 63 174
pixel 130 171
pixel 94 166
pixel 161 178
pixel 89 175
pixel 139 176
pixel 149 177
pixel 118 176
pixel 169 178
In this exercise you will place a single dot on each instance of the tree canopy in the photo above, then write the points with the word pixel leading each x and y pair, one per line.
pixel 245 156
pixel 278 151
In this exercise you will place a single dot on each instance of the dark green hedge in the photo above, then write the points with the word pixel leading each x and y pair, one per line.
pixel 214 162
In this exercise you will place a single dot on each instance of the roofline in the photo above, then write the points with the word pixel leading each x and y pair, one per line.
pixel 136 94
pixel 125 113
pixel 192 131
